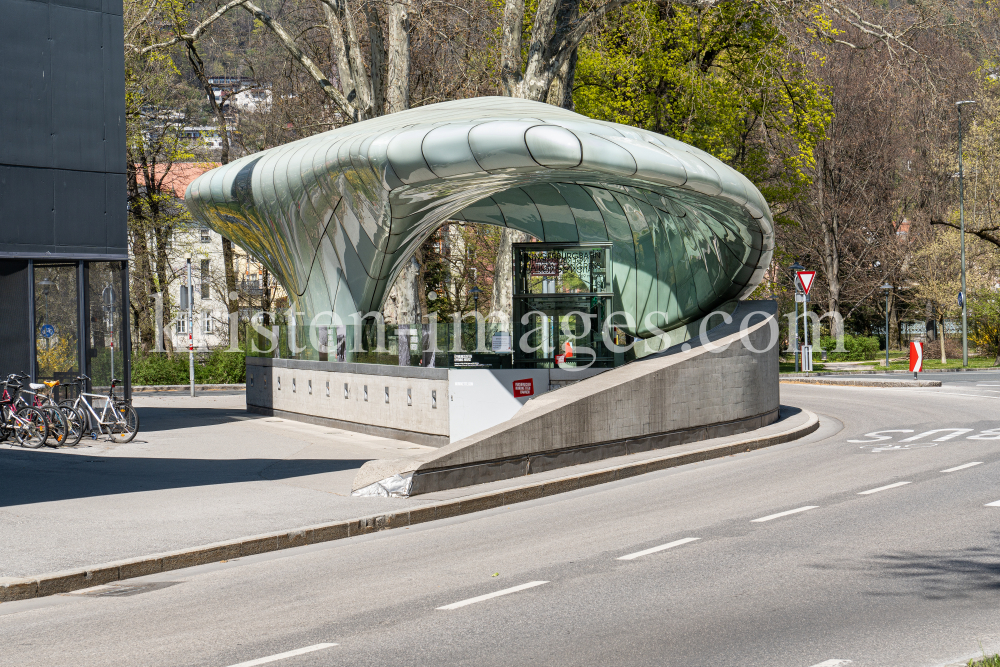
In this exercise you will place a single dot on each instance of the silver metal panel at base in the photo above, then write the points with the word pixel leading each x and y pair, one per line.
pixel 492 471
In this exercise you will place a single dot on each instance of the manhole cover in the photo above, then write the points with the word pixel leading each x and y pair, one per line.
pixel 124 590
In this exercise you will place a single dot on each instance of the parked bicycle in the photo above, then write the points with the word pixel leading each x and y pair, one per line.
pixel 66 424
pixel 59 420
pixel 117 417
pixel 27 424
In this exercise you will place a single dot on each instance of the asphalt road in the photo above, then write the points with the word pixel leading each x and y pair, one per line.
pixel 907 575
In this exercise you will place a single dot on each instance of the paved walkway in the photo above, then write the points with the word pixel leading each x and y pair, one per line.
pixel 200 471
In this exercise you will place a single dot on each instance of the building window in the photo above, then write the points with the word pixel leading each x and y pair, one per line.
pixel 183 324
pixel 205 237
pixel 185 302
pixel 206 279
pixel 206 321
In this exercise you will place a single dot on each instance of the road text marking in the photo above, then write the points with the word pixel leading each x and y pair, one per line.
pixel 833 663
pixel 781 514
pixel 882 488
pixel 481 598
pixel 653 550
pixel 282 656
pixel 963 466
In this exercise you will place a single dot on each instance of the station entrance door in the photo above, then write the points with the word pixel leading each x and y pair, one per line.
pixel 562 297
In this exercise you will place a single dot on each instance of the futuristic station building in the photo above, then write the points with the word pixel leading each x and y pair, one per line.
pixel 628 227
pixel 657 231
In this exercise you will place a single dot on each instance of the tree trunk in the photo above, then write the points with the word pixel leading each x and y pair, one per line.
pixel 892 336
pixel 139 292
pixel 502 303
pixel 944 355
pixel 231 296
pixel 397 96
pixel 561 90
pixel 407 303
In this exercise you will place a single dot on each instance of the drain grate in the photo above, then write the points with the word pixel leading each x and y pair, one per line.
pixel 124 590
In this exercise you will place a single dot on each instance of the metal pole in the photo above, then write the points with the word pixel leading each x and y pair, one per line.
pixel 795 335
pixel 961 218
pixel 805 320
pixel 887 330
pixel 190 295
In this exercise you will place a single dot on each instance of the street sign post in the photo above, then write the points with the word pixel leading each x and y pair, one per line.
pixel 805 279
pixel 917 358
pixel 804 282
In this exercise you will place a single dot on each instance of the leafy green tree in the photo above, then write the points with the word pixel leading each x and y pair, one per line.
pixel 723 78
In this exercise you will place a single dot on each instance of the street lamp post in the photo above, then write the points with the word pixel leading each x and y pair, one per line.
pixel 796 267
pixel 190 324
pixel 887 288
pixel 961 219
pixel 475 292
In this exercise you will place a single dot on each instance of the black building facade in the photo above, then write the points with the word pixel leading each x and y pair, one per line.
pixel 63 241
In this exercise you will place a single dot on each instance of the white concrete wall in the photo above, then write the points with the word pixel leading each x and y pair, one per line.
pixel 306 388
pixel 467 400
pixel 481 398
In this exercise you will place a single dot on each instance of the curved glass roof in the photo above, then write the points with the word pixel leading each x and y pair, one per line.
pixel 335 216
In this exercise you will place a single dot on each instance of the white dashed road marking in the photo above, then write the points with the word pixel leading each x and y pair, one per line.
pixel 653 550
pixel 833 663
pixel 963 466
pixel 282 656
pixel 781 514
pixel 993 504
pixel 488 596
pixel 882 488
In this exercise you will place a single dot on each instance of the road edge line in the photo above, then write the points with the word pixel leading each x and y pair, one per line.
pixel 13 589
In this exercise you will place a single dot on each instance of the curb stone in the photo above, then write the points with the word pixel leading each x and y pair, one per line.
pixel 851 382
pixel 890 372
pixel 13 588
pixel 177 387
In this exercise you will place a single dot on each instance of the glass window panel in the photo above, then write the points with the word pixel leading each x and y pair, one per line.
pixel 562 271
pixel 206 279
pixel 57 322
pixel 105 347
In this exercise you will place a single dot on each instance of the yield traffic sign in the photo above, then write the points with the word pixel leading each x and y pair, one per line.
pixel 805 279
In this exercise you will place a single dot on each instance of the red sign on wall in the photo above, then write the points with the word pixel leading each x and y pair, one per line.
pixel 524 388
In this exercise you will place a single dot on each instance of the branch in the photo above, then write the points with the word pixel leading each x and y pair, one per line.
pixel 194 34
pixel 307 64
pixel 984 234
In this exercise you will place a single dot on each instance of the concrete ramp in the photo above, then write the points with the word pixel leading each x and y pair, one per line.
pixel 721 383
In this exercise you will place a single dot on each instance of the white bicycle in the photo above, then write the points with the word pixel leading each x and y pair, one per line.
pixel 117 417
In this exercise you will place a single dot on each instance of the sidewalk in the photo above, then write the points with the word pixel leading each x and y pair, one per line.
pixel 204 471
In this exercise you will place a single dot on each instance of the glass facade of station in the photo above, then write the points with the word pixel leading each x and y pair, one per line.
pixel 562 295
pixel 64 317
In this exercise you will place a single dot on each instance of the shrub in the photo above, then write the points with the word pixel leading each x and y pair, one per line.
pixel 859 348
pixel 216 367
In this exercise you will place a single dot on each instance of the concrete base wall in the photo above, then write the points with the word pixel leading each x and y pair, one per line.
pixel 696 390
pixel 402 403
pixel 429 406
